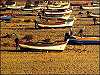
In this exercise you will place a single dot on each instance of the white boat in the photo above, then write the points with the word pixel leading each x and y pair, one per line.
pixel 57 24
pixel 55 46
pixel 58 12
pixel 90 7
pixel 61 6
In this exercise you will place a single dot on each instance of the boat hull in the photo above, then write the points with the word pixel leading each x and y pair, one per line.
pixel 44 48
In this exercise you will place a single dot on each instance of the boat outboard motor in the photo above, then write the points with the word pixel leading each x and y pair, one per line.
pixel 67 36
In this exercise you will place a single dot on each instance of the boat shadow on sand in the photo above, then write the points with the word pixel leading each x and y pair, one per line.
pixel 29 50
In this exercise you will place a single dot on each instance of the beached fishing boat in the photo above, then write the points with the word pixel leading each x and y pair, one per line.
pixel 56 23
pixel 42 45
pixel 67 11
pixel 84 40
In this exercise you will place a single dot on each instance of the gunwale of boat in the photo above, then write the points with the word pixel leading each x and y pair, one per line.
pixel 48 48
pixel 87 38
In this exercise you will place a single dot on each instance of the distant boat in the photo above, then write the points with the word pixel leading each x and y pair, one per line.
pixel 6 18
pixel 43 46
pixel 84 40
pixel 56 23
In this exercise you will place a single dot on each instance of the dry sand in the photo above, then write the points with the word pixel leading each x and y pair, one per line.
pixel 75 59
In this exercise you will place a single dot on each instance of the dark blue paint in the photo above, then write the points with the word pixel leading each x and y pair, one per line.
pixel 84 42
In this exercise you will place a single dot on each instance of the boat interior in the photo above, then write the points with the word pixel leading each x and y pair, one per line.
pixel 54 21
pixel 45 42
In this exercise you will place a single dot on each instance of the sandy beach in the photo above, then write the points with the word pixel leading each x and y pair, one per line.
pixel 75 59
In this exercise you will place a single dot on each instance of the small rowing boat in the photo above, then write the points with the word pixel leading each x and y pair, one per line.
pixel 42 45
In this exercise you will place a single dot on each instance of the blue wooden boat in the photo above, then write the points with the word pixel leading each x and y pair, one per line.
pixel 6 18
pixel 84 40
